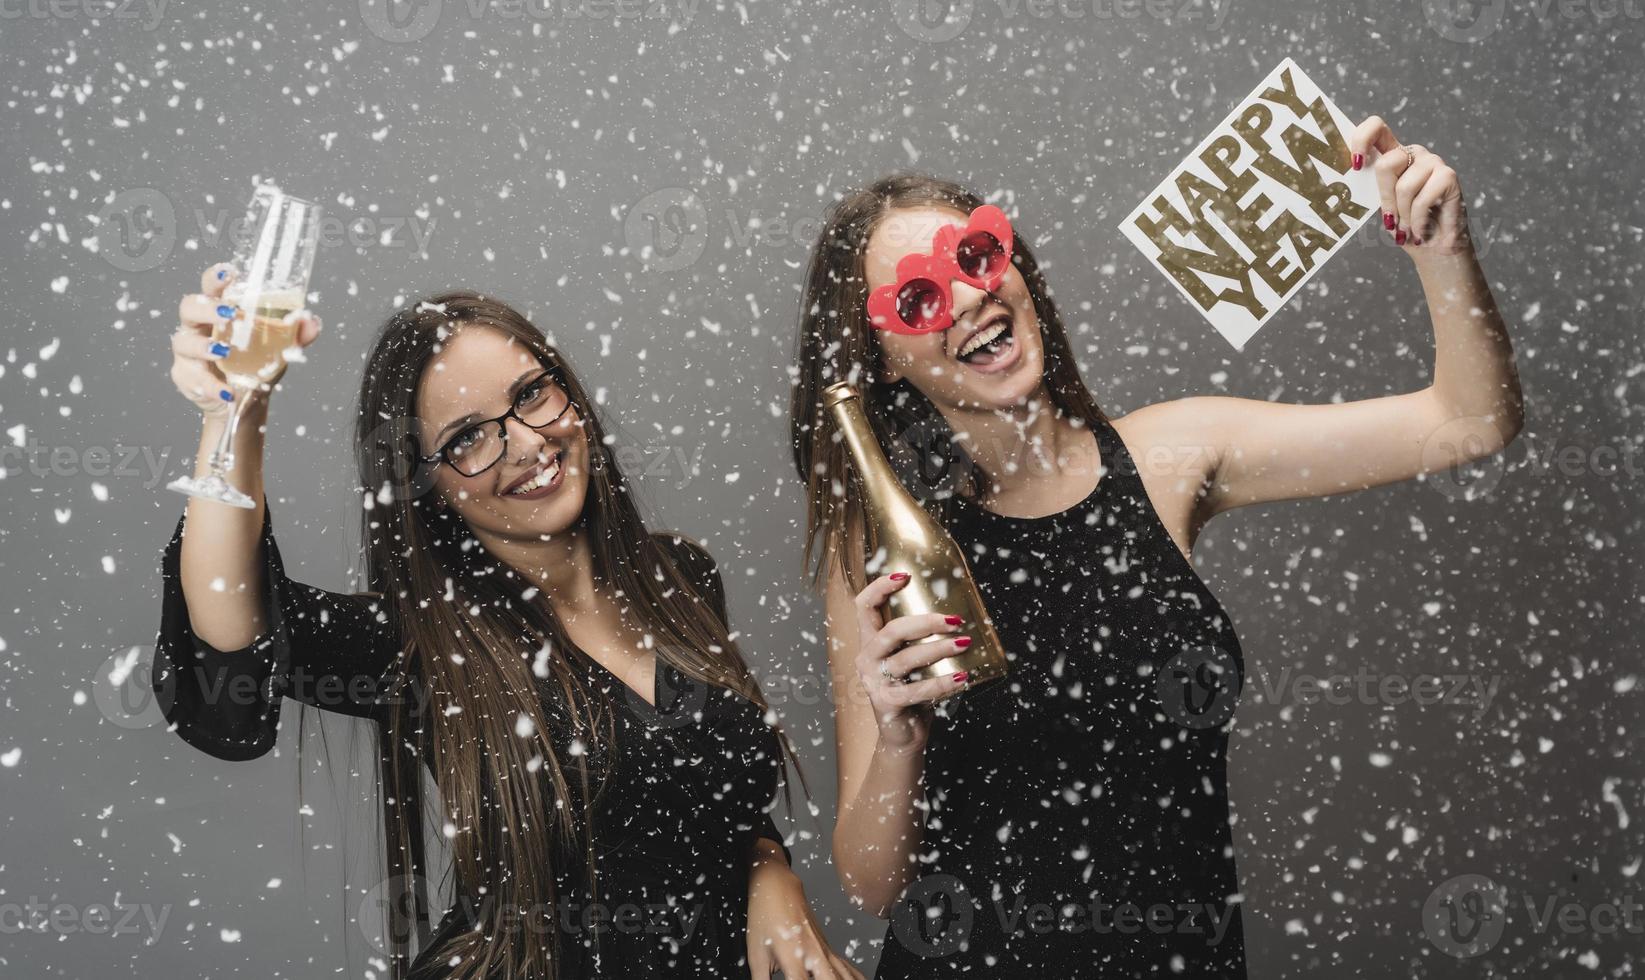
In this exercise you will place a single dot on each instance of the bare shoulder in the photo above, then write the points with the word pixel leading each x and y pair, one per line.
pixel 1176 447
pixel 1178 440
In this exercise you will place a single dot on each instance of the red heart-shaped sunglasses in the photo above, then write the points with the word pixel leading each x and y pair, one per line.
pixel 921 300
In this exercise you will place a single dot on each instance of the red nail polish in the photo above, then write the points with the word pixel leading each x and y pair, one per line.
pixel 1359 160
pixel 953 620
pixel 961 677
pixel 1399 237
pixel 1388 220
pixel 899 576
pixel 962 641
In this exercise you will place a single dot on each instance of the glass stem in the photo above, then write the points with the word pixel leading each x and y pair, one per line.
pixel 222 457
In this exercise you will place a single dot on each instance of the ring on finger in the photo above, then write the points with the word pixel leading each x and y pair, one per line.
pixel 885 672
pixel 1411 151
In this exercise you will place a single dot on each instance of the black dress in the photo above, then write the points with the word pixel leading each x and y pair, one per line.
pixel 1078 821
pixel 688 793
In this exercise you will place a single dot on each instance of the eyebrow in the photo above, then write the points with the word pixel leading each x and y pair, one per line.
pixel 513 389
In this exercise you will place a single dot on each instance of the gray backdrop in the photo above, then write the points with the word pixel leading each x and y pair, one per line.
pixel 645 179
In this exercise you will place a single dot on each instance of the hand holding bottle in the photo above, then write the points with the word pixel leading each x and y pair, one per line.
pixel 888 651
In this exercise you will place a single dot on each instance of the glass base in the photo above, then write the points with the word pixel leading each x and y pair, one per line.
pixel 212 488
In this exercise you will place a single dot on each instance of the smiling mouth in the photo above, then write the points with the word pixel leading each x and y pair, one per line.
pixel 546 474
pixel 989 344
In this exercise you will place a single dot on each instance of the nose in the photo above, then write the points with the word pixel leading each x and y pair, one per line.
pixel 525 443
pixel 967 298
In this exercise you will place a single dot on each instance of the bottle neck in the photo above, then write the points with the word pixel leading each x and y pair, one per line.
pixel 883 489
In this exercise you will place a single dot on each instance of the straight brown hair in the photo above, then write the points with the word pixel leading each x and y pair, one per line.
pixel 521 805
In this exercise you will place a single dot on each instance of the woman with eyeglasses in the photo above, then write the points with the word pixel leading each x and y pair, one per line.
pixel 603 764
pixel 1072 819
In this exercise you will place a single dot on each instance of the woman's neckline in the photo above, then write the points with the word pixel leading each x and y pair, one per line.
pixel 1106 453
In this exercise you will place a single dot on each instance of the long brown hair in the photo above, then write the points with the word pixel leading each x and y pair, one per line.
pixel 836 343
pixel 520 801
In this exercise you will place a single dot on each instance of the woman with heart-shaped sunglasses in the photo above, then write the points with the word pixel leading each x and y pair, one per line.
pixel 1073 819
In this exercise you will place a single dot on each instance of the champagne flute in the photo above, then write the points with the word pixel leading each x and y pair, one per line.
pixel 273 258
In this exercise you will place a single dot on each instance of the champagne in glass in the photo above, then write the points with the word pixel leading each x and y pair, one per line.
pixel 259 338
pixel 272 261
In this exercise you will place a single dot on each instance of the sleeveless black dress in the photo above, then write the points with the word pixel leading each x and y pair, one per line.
pixel 1078 821
pixel 689 788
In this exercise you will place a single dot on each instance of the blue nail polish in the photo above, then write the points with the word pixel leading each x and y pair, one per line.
pixel 226 395
pixel 225 312
pixel 222 274
pixel 219 349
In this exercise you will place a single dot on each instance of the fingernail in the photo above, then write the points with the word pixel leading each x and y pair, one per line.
pixel 1388 220
pixel 899 576
pixel 1359 160
pixel 961 676
pixel 223 273
pixel 1399 237
pixel 1414 239
pixel 962 641
pixel 226 395
pixel 225 312
pixel 953 620
pixel 219 349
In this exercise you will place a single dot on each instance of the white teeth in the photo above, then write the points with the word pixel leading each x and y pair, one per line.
pixel 541 480
pixel 983 338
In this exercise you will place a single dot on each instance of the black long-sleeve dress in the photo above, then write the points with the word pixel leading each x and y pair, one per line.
pixel 1078 821
pixel 688 793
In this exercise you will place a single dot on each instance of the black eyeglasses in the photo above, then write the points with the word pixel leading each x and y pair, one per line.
pixel 540 403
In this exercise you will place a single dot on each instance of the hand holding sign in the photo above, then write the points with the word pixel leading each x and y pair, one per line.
pixel 1274 191
pixel 1421 199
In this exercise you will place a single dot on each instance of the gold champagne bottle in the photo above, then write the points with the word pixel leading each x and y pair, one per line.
pixel 912 541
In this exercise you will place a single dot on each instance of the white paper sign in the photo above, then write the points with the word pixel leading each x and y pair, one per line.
pixel 1258 206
